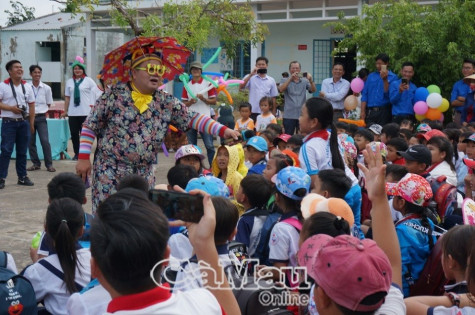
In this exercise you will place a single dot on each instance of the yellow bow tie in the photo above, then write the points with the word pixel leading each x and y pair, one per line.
pixel 141 101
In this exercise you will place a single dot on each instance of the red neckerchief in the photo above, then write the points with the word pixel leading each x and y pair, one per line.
pixel 323 133
pixel 141 300
pixel 7 81
pixel 431 168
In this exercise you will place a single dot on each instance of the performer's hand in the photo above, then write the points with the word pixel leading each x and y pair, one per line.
pixel 83 168
pixel 229 133
pixel 63 115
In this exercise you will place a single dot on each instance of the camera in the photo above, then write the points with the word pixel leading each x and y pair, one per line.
pixel 405 81
pixel 261 71
pixel 23 111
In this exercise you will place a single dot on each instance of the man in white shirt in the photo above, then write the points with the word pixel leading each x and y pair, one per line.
pixel 335 90
pixel 205 96
pixel 43 100
pixel 15 98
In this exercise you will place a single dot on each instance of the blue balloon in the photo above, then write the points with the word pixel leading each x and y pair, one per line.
pixel 421 94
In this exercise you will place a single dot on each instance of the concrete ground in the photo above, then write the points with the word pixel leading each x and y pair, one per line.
pixel 23 209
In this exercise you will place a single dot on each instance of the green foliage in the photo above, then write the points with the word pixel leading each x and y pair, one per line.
pixel 435 38
pixel 20 13
pixel 192 23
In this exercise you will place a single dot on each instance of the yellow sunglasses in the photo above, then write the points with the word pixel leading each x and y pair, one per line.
pixel 154 69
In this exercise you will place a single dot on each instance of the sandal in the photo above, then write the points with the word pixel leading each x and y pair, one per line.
pixel 33 168
pixel 51 169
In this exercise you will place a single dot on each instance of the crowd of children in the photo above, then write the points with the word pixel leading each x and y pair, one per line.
pixel 310 200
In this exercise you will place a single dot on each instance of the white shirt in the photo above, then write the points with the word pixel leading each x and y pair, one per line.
pixel 198 301
pixel 11 264
pixel 87 93
pixel 197 88
pixel 43 97
pixel 93 301
pixel 52 289
pixel 263 121
pixel 445 170
pixel 284 244
pixel 335 92
pixel 6 97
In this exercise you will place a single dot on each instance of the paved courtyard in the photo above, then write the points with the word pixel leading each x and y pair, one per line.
pixel 23 209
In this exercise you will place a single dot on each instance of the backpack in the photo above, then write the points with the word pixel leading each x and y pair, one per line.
pixel 262 250
pixel 432 278
pixel 444 201
pixel 17 296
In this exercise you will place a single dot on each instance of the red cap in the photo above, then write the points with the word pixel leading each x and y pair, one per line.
pixel 431 133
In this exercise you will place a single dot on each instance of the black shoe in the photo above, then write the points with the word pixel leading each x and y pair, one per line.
pixel 2 183
pixel 75 158
pixel 25 181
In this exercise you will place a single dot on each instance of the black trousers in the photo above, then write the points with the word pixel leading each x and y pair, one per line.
pixel 75 126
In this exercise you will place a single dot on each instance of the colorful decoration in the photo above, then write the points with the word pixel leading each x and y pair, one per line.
pixel 468 211
pixel 429 104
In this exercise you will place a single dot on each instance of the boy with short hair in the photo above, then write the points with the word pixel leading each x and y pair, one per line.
pixel 332 183
pixel 253 194
pixel 245 122
pixel 227 215
pixel 389 132
pixel 256 153
pixel 394 145
pixel 295 142
pixel 180 175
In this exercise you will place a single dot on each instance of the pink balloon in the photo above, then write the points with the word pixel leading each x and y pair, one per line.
pixel 357 85
pixel 441 117
pixel 420 108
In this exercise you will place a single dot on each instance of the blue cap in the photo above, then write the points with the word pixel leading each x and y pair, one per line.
pixel 290 179
pixel 210 184
pixel 258 143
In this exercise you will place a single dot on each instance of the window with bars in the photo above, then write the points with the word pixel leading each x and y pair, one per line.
pixel 321 61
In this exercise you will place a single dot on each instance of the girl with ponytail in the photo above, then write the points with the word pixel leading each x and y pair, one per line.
pixel 321 149
pixel 59 275
pixel 415 230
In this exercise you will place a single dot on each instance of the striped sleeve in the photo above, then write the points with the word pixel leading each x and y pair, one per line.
pixel 203 123
pixel 85 143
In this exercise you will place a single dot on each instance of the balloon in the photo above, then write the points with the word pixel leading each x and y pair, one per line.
pixel 351 102
pixel 210 80
pixel 215 55
pixel 433 114
pixel 420 117
pixel 357 85
pixel 433 89
pixel 420 108
pixel 215 74
pixel 421 94
pixel 444 106
pixel 184 78
pixel 434 100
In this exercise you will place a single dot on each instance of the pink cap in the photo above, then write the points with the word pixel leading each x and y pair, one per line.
pixel 412 188
pixel 431 133
pixel 349 270
pixel 469 163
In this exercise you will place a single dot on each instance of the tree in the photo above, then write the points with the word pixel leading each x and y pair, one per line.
pixel 435 38
pixel 192 23
pixel 20 13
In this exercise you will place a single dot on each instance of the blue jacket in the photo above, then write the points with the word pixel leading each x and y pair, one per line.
pixel 373 92
pixel 414 244
pixel 403 103
pixel 468 107
pixel 459 89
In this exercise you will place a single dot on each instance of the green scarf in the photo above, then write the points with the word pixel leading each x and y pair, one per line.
pixel 77 95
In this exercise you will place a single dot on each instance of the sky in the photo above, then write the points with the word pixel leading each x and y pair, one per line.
pixel 42 7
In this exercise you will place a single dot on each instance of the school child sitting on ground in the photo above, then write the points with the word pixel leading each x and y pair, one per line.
pixel 394 145
pixel 245 122
pixel 418 158
pixel 276 128
pixel 442 160
pixel 265 117
pixel 190 154
pixel 281 142
pixel 389 131
pixel 415 230
pixel 256 153
pixel 225 166
pixel 56 277
pixel 138 228
pixel 253 194
pixel 295 142
pixel 189 275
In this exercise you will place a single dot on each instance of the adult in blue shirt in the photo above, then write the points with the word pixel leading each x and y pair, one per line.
pixel 401 94
pixel 375 105
pixel 461 89
pixel 467 114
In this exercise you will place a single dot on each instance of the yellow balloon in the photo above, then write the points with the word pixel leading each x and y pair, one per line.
pixel 444 106
pixel 420 117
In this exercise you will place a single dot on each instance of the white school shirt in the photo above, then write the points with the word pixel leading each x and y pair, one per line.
pixel 200 106
pixel 284 243
pixel 315 155
pixel 43 97
pixel 7 98
pixel 52 289
pixel 91 302
pixel 263 121
pixel 87 93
